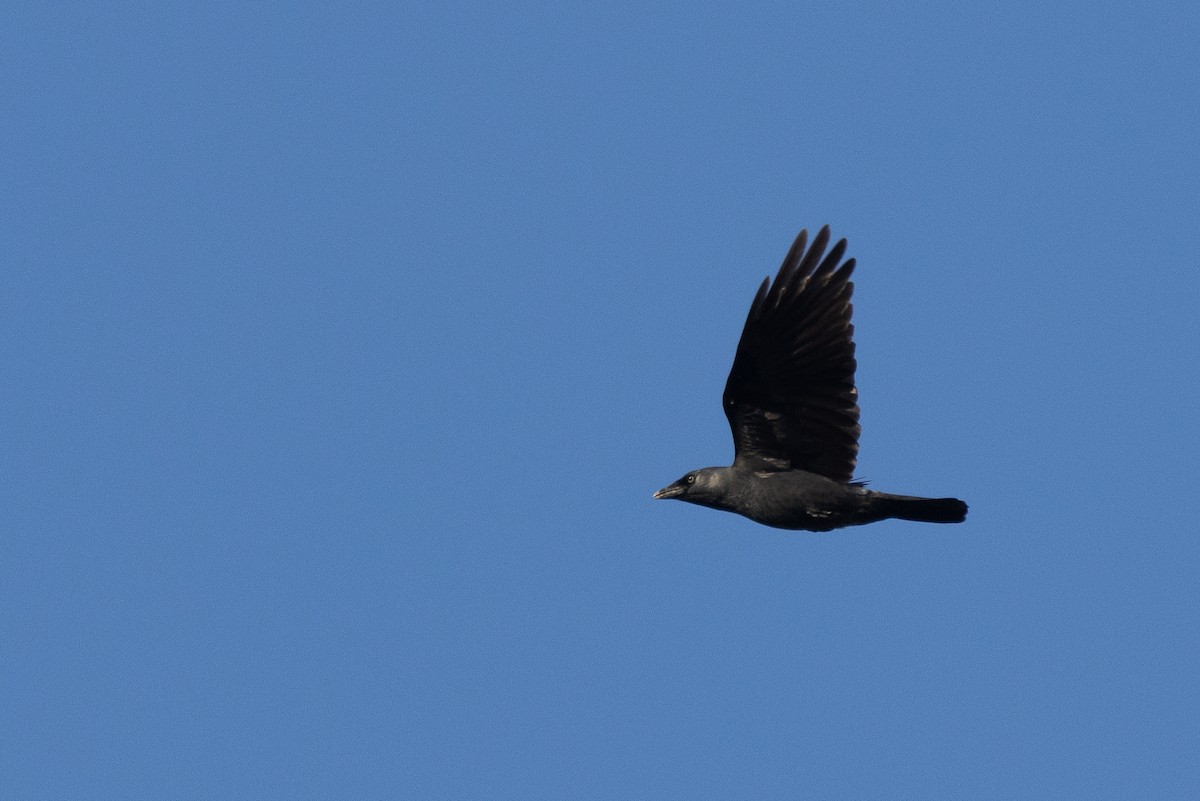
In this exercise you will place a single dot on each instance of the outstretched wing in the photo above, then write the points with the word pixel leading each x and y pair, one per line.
pixel 790 397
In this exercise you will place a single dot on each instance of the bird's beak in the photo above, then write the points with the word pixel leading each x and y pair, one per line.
pixel 669 492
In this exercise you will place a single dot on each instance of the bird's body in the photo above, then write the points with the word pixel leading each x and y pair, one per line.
pixel 797 499
pixel 793 410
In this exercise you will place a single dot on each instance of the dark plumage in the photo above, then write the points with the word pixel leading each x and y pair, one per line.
pixel 793 409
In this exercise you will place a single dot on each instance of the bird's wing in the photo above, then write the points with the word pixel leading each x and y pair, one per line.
pixel 790 397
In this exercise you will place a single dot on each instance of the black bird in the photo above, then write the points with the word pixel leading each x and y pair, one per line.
pixel 793 409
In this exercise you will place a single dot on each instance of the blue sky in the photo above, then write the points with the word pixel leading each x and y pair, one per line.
pixel 345 345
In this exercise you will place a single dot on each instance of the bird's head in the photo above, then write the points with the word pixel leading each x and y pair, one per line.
pixel 705 486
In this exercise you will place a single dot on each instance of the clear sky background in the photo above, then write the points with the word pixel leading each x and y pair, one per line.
pixel 344 346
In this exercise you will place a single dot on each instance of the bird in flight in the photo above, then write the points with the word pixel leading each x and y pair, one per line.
pixel 793 409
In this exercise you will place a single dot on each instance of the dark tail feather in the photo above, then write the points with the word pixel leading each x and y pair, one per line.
pixel 923 510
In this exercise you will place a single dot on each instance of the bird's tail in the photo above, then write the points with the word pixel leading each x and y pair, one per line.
pixel 924 510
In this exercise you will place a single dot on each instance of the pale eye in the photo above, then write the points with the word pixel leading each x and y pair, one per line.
pixel 691 479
